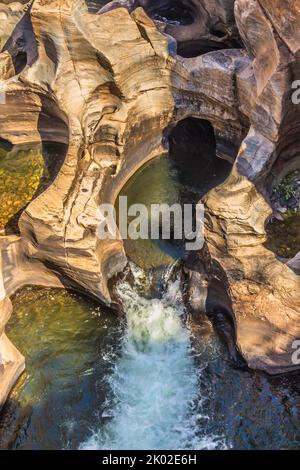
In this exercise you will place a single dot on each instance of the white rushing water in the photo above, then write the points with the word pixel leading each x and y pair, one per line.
pixel 154 384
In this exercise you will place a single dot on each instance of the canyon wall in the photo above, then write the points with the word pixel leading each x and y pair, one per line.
pixel 109 88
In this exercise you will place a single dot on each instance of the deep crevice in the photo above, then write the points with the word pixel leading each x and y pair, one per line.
pixel 193 145
pixel 197 47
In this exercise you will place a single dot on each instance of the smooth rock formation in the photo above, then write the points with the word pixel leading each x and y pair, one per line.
pixel 265 292
pixel 110 87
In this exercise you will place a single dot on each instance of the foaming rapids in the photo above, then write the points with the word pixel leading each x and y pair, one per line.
pixel 155 399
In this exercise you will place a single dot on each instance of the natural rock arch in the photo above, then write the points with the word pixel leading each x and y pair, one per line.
pixel 117 99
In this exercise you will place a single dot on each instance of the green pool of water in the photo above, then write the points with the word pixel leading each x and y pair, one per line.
pixel 21 170
pixel 69 343
pixel 164 180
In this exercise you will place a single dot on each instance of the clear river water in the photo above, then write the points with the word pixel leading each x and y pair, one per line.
pixel 150 380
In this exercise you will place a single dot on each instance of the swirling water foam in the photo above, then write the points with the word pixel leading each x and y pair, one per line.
pixel 154 385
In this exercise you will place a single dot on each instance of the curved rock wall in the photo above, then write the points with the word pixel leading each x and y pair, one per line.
pixel 111 87
pixel 265 292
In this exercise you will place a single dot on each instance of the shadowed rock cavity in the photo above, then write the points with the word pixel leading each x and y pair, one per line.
pixel 192 146
pixel 177 12
pixel 21 45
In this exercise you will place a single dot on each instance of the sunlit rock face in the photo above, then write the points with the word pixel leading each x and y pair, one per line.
pixel 108 87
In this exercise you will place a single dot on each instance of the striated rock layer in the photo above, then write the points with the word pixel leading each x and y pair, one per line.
pixel 265 292
pixel 110 87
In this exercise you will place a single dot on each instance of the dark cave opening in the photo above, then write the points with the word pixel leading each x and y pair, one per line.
pixel 219 33
pixel 192 148
pixel 218 40
pixel 175 13
pixel 197 47
pixel 19 61
pixel 181 176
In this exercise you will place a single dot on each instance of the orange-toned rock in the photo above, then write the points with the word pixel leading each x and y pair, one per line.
pixel 109 87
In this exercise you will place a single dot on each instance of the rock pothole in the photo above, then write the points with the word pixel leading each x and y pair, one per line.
pixel 25 172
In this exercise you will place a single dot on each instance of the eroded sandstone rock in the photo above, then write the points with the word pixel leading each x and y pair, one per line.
pixel 110 87
pixel 265 291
